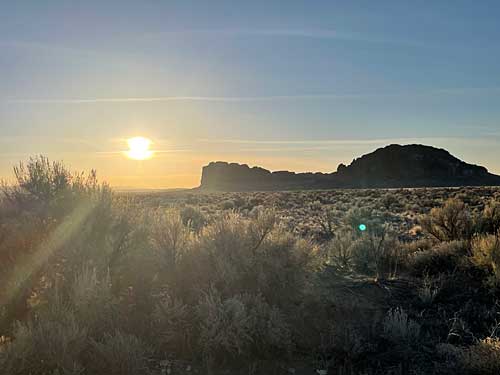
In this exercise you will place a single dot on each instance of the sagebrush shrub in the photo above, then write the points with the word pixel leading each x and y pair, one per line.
pixel 490 219
pixel 400 329
pixel 486 253
pixel 389 200
pixel 50 188
pixel 328 220
pixel 193 218
pixel 428 290
pixel 91 298
pixel 271 334
pixel 120 354
pixel 46 346
pixel 225 327
pixel 451 222
pixel 342 345
pixel 173 324
pixel 339 251
pixel 49 207
pixel 170 237
pixel 237 255
pixel 377 255
pixel 228 205
pixel 483 358
pixel 242 327
pixel 443 257
pixel 372 219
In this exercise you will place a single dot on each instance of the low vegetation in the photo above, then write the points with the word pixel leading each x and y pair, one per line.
pixel 333 282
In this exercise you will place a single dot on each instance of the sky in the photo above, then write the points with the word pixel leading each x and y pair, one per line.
pixel 286 85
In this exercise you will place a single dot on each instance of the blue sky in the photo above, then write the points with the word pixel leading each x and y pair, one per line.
pixel 298 85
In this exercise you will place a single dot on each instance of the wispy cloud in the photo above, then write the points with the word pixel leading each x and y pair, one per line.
pixel 321 142
pixel 262 98
pixel 467 90
pixel 38 47
pixel 154 152
pixel 182 98
pixel 324 33
pixel 21 140
pixel 311 145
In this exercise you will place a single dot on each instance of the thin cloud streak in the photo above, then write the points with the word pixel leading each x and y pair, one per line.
pixel 38 47
pixel 155 152
pixel 323 142
pixel 329 34
pixel 23 138
pixel 257 98
pixel 182 98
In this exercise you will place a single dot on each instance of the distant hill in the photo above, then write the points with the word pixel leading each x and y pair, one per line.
pixel 392 166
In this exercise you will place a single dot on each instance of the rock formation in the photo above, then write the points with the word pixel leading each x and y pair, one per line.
pixel 390 167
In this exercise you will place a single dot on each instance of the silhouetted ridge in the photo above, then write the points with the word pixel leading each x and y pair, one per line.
pixel 387 167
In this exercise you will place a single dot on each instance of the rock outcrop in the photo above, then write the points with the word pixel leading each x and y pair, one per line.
pixel 390 167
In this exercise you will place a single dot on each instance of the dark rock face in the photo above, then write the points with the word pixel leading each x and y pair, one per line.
pixel 388 167
pixel 413 166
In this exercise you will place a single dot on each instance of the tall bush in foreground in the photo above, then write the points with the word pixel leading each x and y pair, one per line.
pixel 486 253
pixel 46 346
pixel 490 219
pixel 242 327
pixel 63 208
pixel 451 222
pixel 238 255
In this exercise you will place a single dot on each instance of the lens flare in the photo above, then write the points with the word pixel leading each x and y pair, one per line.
pixel 362 227
pixel 139 148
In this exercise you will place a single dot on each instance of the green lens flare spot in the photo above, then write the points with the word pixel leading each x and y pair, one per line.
pixel 362 227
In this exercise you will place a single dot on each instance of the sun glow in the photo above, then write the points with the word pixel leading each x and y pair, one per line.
pixel 139 148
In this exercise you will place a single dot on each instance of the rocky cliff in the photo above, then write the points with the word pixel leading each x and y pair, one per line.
pixel 391 166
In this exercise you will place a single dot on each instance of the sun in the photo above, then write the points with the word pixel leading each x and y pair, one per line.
pixel 139 148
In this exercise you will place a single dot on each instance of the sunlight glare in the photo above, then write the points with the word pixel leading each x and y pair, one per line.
pixel 139 148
